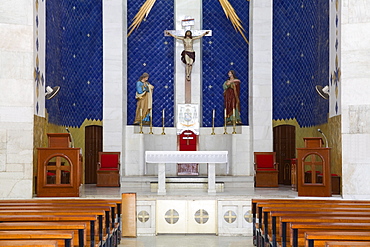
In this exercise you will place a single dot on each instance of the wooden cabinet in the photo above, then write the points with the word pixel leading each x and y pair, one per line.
pixel 58 168
pixel 314 177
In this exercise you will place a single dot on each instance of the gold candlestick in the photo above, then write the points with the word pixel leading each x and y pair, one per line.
pixel 141 122
pixel 163 123
pixel 213 122
pixel 234 122
pixel 151 122
pixel 225 132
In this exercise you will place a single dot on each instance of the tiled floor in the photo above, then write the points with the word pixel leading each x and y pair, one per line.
pixel 187 241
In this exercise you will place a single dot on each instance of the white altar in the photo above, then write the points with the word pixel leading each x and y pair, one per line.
pixel 201 157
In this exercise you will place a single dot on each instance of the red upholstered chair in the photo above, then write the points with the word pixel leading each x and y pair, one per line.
pixel 266 169
pixel 108 169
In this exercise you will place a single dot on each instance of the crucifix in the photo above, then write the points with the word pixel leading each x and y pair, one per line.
pixel 188 54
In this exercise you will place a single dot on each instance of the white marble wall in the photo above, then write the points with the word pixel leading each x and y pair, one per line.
pixel 355 63
pixel 260 79
pixel 16 101
pixel 236 144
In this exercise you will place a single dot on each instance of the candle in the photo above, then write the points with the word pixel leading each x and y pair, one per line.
pixel 213 114
pixel 234 112
pixel 141 113
pixel 225 112
pixel 163 113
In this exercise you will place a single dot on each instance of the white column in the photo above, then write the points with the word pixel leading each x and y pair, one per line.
pixel 355 51
pixel 17 98
pixel 114 69
pixel 211 178
pixel 260 75
pixel 161 178
pixel 142 164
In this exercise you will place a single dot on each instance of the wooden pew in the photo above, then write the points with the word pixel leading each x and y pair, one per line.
pixel 262 230
pixel 298 229
pixel 303 219
pixel 102 211
pixel 274 227
pixel 79 227
pixel 64 238
pixel 288 202
pixel 90 219
pixel 317 239
pixel 29 243
pixel 114 203
pixel 112 227
pixel 346 243
pixel 256 225
pixel 62 212
pixel 278 211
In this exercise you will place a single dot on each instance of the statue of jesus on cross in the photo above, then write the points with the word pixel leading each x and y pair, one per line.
pixel 188 54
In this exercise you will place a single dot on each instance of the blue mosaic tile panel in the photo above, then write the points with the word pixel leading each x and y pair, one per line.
pixel 225 50
pixel 74 60
pixel 300 60
pixel 150 51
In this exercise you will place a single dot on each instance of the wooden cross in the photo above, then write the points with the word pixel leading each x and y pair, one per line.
pixel 316 164
pixel 187 24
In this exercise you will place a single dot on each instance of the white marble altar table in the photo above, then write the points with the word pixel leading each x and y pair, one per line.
pixel 206 157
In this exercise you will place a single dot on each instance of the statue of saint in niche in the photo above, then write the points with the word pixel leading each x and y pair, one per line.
pixel 144 93
pixel 232 98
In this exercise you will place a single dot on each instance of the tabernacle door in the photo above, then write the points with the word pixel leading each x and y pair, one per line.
pixel 187 141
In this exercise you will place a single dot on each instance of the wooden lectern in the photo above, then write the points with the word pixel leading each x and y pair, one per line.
pixel 59 140
pixel 314 177
pixel 59 168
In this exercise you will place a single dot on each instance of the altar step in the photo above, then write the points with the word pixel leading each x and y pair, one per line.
pixel 228 181
pixel 187 183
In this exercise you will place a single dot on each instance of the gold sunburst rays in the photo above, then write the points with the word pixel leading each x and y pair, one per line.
pixel 225 4
pixel 139 17
pixel 233 17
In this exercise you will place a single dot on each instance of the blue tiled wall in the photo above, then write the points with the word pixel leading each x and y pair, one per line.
pixel 225 50
pixel 300 60
pixel 74 60
pixel 150 51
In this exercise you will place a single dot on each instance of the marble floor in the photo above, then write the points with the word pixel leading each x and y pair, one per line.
pixel 234 187
pixel 187 241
